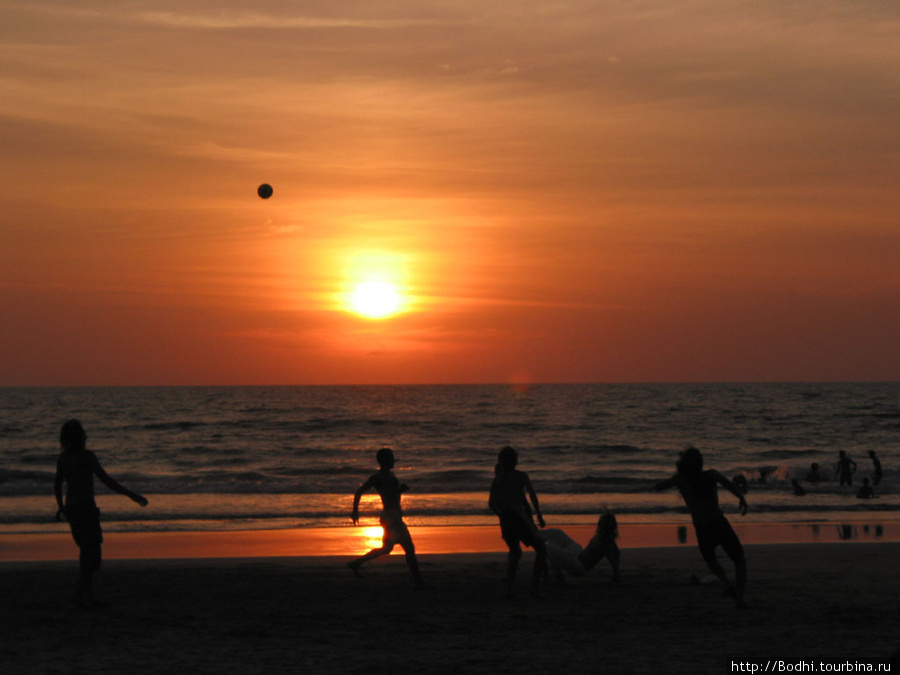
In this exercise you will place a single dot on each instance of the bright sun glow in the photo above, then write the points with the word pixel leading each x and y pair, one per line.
pixel 375 299
pixel 372 537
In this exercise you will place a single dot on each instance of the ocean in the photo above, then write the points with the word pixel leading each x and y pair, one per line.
pixel 239 458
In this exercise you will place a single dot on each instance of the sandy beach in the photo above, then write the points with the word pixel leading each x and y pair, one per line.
pixel 812 604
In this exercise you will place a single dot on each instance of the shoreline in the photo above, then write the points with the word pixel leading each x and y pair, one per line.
pixel 351 541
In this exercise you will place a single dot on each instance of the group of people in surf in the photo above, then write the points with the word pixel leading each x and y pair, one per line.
pixel 844 470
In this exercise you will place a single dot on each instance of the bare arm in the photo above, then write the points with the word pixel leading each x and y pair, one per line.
pixel 728 485
pixel 534 500
pixel 492 504
pixel 666 484
pixel 57 490
pixel 356 497
pixel 113 484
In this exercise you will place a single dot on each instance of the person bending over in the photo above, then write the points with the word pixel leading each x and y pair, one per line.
pixel 699 489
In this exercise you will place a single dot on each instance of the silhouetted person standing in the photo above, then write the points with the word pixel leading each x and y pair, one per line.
pixel 845 468
pixel 77 467
pixel 385 483
pixel 508 501
pixel 876 463
pixel 699 489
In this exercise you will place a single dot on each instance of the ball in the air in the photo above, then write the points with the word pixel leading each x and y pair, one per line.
pixel 264 190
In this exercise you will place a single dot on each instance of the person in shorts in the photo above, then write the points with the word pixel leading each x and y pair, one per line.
pixel 699 489
pixel 385 483
pixel 508 501
pixel 76 467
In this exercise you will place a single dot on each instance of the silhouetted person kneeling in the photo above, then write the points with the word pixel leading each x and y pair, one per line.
pixel 385 483
pixel 699 489
pixel 77 467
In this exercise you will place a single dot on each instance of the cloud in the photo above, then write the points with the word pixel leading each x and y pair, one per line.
pixel 235 19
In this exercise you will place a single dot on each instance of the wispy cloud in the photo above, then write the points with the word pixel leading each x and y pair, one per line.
pixel 229 19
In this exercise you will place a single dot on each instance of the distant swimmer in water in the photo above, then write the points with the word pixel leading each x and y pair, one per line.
pixel 798 489
pixel 845 468
pixel 814 475
pixel 565 555
pixel 699 489
pixel 866 491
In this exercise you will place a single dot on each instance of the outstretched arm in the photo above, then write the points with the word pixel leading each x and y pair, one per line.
pixel 666 484
pixel 113 484
pixel 728 485
pixel 532 495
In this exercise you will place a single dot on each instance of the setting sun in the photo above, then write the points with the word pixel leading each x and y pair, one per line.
pixel 375 299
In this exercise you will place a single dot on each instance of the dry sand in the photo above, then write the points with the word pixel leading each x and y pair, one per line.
pixel 832 604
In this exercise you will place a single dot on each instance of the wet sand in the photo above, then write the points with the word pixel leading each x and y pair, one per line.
pixel 349 541
pixel 831 604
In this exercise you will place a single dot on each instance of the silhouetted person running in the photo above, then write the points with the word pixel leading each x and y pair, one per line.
pixel 385 483
pixel 699 489
pixel 77 467
pixel 508 501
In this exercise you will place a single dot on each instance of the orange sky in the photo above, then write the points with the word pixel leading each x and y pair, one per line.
pixel 566 191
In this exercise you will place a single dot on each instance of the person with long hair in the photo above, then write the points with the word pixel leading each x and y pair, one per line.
pixel 76 467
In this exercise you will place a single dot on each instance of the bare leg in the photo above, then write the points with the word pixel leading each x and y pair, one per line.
pixel 371 555
pixel 615 558
pixel 740 581
pixel 88 563
pixel 540 565
pixel 413 563
pixel 713 564
pixel 512 563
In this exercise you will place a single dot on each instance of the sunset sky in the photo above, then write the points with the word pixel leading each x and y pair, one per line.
pixel 556 191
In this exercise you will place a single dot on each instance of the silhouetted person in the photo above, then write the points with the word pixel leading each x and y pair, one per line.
pixel 865 491
pixel 508 501
pixel 76 467
pixel 699 489
pixel 566 555
pixel 876 463
pixel 740 482
pixel 845 468
pixel 814 475
pixel 798 489
pixel 385 483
